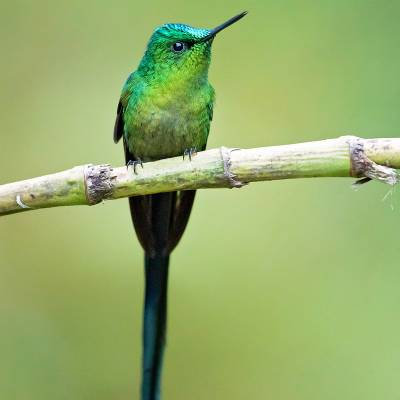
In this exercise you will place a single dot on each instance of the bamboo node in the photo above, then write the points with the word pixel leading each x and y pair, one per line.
pixel 362 167
pixel 230 178
pixel 98 183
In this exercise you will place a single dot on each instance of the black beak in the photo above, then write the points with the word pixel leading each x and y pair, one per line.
pixel 221 27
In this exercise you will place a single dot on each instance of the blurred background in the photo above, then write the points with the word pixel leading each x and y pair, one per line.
pixel 282 290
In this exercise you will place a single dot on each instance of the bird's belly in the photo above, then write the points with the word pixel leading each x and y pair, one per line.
pixel 164 133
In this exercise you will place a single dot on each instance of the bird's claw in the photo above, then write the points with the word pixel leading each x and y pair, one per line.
pixel 192 151
pixel 134 163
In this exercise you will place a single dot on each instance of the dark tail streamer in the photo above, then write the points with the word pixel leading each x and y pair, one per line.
pixel 154 325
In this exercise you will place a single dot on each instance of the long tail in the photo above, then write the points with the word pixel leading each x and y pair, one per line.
pixel 159 221
pixel 155 304
pixel 154 324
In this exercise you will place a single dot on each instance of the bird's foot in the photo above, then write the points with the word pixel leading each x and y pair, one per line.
pixel 134 164
pixel 190 152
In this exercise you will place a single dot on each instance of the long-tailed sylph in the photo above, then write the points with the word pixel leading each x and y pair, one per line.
pixel 165 110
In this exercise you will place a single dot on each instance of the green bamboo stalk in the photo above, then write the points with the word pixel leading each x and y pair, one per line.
pixel 347 156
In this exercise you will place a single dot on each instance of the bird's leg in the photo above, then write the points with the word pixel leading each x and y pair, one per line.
pixel 134 163
pixel 191 151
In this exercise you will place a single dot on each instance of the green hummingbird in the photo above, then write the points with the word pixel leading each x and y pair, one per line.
pixel 165 110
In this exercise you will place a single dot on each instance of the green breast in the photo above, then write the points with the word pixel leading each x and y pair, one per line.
pixel 164 121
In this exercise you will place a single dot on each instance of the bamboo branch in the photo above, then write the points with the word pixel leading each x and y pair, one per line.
pixel 347 156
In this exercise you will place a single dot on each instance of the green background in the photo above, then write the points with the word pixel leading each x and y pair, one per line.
pixel 283 290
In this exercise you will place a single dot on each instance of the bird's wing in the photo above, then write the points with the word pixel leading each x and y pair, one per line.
pixel 123 101
pixel 141 211
pixel 119 123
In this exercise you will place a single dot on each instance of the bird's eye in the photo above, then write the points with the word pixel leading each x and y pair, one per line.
pixel 178 47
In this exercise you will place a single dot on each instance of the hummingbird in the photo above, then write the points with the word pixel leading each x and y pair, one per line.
pixel 165 110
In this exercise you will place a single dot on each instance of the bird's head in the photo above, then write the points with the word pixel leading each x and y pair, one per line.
pixel 181 50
